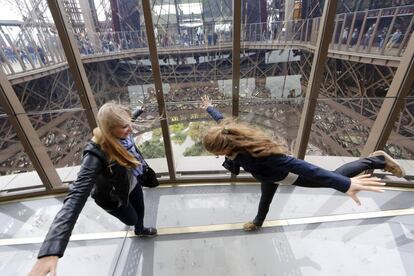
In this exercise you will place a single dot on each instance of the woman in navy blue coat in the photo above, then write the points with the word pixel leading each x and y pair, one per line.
pixel 267 161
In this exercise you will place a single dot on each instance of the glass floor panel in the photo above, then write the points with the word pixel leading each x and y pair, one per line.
pixel 194 206
pixel 371 246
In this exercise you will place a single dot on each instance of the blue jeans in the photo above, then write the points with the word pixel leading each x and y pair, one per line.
pixel 350 169
pixel 133 213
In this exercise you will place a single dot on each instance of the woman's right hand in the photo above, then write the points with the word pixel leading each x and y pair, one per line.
pixel 206 102
pixel 45 265
pixel 364 183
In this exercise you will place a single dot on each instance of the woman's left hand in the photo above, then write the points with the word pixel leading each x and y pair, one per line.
pixel 364 183
pixel 206 102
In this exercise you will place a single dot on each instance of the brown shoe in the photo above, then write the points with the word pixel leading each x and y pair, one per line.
pixel 250 226
pixel 390 164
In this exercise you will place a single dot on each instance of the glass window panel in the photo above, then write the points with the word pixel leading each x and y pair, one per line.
pixel 272 87
pixel 195 60
pixel 63 134
pixel 128 81
pixel 110 38
pixel 400 144
pixel 55 92
pixel 17 174
pixel 341 126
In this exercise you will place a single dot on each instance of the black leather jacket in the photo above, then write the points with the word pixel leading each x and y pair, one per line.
pixel 107 182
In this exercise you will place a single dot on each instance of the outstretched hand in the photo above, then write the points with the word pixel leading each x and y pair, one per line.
pixel 205 102
pixel 364 183
pixel 44 266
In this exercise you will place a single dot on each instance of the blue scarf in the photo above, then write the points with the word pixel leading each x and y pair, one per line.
pixel 129 145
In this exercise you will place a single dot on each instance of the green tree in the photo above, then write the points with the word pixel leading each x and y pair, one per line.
pixel 156 134
pixel 152 149
pixel 196 150
pixel 179 137
pixel 178 127
pixel 198 129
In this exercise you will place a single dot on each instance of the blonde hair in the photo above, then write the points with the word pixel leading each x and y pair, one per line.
pixel 112 115
pixel 230 137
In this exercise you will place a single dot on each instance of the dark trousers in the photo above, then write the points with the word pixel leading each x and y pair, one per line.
pixel 133 214
pixel 351 169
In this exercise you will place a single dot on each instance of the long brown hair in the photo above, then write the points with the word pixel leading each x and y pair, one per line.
pixel 230 137
pixel 112 115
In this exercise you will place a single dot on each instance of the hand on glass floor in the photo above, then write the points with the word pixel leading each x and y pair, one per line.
pixel 206 102
pixel 45 265
pixel 364 183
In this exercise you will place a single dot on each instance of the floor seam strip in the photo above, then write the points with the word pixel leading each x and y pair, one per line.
pixel 219 227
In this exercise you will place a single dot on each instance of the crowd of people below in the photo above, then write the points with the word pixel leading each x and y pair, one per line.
pixel 378 39
pixel 381 37
pixel 117 41
pixel 27 55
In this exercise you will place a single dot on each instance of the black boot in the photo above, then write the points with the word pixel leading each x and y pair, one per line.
pixel 146 232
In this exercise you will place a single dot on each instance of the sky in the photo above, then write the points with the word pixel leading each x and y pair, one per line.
pixel 9 12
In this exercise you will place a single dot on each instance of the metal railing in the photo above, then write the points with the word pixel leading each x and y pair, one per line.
pixel 383 32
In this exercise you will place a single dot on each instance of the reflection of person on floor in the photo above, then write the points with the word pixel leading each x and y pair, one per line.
pixel 113 170
pixel 247 147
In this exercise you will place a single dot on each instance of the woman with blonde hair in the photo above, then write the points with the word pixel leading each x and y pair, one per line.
pixel 112 171
pixel 267 161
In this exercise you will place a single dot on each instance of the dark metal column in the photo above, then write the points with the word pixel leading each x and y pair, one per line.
pixel 74 60
pixel 156 74
pixel 236 56
pixel 27 135
pixel 177 16
pixel 318 65
pixel 406 36
pixel 115 15
pixel 90 23
pixel 393 102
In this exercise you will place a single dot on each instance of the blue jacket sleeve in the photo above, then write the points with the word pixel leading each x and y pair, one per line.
pixel 314 174
pixel 61 229
pixel 215 114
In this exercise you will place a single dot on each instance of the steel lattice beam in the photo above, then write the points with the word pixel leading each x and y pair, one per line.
pixel 74 61
pixel 27 135
pixel 321 53
pixel 393 103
